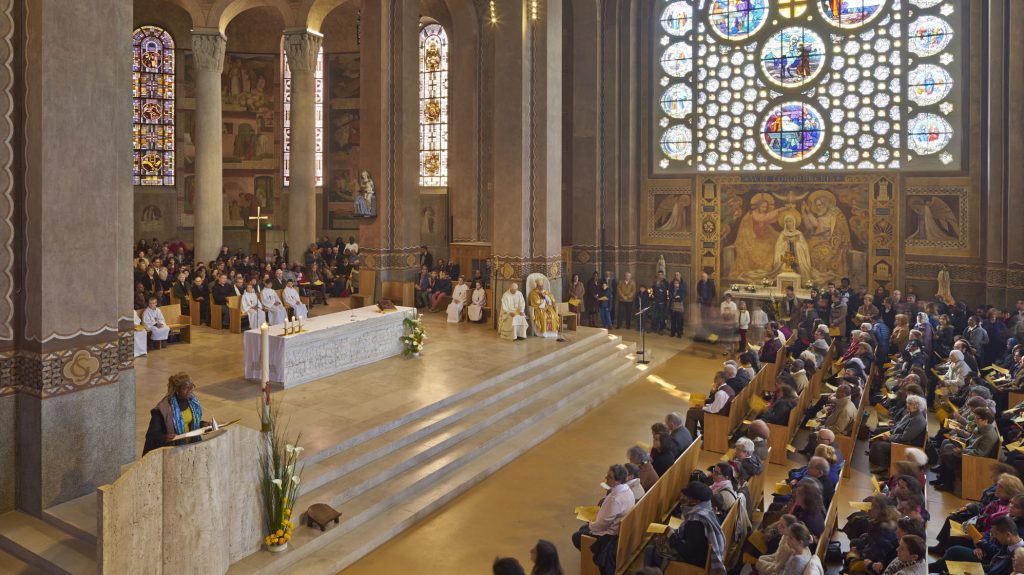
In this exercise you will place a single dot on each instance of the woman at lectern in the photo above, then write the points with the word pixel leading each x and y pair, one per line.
pixel 176 413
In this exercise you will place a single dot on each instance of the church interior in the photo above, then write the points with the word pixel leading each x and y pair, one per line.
pixel 560 287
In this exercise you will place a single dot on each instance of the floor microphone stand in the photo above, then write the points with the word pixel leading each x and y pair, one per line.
pixel 641 356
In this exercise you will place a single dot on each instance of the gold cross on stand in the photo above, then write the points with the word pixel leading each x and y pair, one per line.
pixel 258 217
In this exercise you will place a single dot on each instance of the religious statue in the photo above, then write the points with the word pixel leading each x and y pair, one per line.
pixel 364 201
pixel 543 308
pixel 791 247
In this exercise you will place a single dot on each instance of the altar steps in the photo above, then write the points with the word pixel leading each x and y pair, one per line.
pixel 399 474
pixel 38 547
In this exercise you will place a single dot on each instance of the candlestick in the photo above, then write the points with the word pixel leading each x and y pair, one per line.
pixel 265 377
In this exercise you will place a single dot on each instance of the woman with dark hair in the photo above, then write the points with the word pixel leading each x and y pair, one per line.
pixel 177 412
pixel 723 489
pixel 545 559
pixel 664 452
pixel 878 542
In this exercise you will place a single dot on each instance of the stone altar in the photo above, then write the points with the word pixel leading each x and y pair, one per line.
pixel 328 344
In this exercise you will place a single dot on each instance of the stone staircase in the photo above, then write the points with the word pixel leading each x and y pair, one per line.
pixel 389 477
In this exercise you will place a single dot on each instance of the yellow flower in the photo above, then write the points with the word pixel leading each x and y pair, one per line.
pixel 284 500
pixel 287 536
pixel 279 533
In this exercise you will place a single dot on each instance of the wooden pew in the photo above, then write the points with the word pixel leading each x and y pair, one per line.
pixel 831 521
pixel 847 443
pixel 234 315
pixel 654 507
pixel 756 487
pixel 194 311
pixel 728 528
pixel 898 452
pixel 1014 397
pixel 718 428
pixel 974 473
pixel 178 323
pixel 400 293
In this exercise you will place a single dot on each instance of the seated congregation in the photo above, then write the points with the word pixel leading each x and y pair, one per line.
pixel 821 396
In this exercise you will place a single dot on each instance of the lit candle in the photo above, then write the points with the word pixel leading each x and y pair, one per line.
pixel 265 353
pixel 300 323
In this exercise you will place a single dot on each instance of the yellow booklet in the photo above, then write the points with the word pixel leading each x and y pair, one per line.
pixel 864 506
pixel 587 513
pixel 783 488
pixel 833 332
pixel 964 568
pixel 813 424
pixel 790 448
pixel 644 446
pixel 728 455
pixel 876 484
pixel 698 399
pixel 757 404
pixel 713 338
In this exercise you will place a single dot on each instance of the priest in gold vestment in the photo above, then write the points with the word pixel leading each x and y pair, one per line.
pixel 544 311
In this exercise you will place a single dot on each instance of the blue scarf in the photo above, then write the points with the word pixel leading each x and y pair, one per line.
pixel 179 421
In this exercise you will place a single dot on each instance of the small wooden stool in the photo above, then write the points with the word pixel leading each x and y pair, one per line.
pixel 321 514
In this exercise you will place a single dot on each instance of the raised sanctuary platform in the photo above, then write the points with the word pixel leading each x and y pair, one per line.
pixel 386 444
pixel 328 344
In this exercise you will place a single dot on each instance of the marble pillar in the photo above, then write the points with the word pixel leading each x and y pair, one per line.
pixel 389 151
pixel 73 374
pixel 528 144
pixel 302 48
pixel 208 54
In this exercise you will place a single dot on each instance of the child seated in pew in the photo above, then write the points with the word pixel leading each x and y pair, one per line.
pixel 699 533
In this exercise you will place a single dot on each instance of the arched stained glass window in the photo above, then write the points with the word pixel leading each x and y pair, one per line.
pixel 318 122
pixel 433 106
pixel 153 106
pixel 752 85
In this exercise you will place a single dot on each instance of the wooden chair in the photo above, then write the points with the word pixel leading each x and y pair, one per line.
pixel 831 520
pixel 569 319
pixel 728 528
pixel 488 309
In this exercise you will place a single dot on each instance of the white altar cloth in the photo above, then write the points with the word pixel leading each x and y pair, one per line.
pixel 328 344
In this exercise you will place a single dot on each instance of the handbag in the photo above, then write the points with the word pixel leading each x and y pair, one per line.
pixel 573 301
pixel 677 306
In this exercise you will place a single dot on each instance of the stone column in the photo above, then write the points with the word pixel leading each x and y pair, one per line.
pixel 528 144
pixel 302 48
pixel 73 373
pixel 208 54
pixel 389 135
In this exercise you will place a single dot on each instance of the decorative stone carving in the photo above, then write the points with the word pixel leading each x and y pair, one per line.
pixel 302 49
pixel 208 51
pixel 338 345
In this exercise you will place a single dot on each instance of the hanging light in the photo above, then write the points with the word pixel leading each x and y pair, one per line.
pixel 493 10
pixel 534 9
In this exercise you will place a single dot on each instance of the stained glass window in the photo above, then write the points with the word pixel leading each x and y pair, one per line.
pixel 318 110
pixel 433 106
pixel 750 85
pixel 153 106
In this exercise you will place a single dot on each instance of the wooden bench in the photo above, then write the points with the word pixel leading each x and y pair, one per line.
pixel 898 452
pixel 718 428
pixel 974 476
pixel 234 314
pixel 782 435
pixel 1014 397
pixel 728 528
pixel 831 521
pixel 848 442
pixel 195 313
pixel 654 507
pixel 179 324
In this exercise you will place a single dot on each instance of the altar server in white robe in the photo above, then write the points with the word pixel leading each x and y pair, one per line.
pixel 291 297
pixel 459 296
pixel 272 305
pixel 140 336
pixel 250 306
pixel 154 321
pixel 477 301
pixel 512 323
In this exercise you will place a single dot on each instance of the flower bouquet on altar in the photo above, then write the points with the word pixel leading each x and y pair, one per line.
pixel 413 339
pixel 279 486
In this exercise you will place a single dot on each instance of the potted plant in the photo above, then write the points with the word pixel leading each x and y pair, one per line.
pixel 279 485
pixel 414 337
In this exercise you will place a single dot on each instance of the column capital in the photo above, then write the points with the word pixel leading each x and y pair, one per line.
pixel 302 48
pixel 208 48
